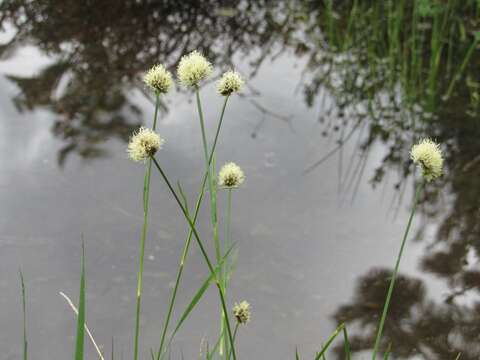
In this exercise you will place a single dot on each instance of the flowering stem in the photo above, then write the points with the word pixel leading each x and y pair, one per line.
pixel 234 338
pixel 189 237
pixel 213 213
pixel 394 274
pixel 203 251
pixel 146 193
pixel 226 271
pixel 213 198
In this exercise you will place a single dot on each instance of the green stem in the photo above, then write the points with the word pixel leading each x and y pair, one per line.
pixel 25 344
pixel 213 213
pixel 234 338
pixel 189 237
pixel 146 195
pixel 394 274
pixel 203 251
pixel 213 196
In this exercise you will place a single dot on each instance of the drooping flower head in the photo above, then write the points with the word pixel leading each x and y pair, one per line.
pixel 144 143
pixel 231 175
pixel 193 68
pixel 241 311
pixel 158 79
pixel 230 82
pixel 428 156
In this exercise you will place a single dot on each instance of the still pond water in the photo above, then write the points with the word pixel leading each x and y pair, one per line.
pixel 336 96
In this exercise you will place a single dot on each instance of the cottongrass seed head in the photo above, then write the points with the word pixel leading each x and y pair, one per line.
pixel 231 175
pixel 230 82
pixel 241 311
pixel 428 156
pixel 144 143
pixel 159 79
pixel 193 68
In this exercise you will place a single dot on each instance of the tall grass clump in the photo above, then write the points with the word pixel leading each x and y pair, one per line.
pixel 192 70
pixel 144 148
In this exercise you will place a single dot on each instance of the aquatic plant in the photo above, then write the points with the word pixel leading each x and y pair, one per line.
pixel 143 148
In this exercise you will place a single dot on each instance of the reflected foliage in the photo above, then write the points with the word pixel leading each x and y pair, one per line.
pixel 99 50
pixel 398 71
pixel 412 316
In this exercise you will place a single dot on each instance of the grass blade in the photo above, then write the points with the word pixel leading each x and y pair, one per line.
pixel 386 356
pixel 81 312
pixel 329 341
pixel 25 344
pixel 198 295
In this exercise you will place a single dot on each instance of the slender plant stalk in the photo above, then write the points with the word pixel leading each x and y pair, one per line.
pixel 395 271
pixel 234 338
pixel 203 251
pixel 213 199
pixel 332 337
pixel 208 167
pixel 146 196
pixel 190 233
pixel 226 272
pixel 81 313
pixel 25 344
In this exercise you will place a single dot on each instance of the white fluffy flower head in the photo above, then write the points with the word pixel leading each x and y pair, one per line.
pixel 231 175
pixel 193 68
pixel 428 156
pixel 144 143
pixel 159 79
pixel 230 82
pixel 241 311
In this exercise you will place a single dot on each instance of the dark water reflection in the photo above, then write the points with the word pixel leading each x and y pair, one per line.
pixel 336 97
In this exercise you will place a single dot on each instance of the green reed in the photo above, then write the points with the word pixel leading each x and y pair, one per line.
pixel 395 272
pixel 146 200
pixel 80 338
pixel 24 311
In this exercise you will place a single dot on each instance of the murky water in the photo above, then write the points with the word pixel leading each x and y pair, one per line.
pixel 323 133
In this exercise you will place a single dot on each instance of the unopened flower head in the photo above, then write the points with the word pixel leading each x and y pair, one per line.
pixel 230 82
pixel 241 311
pixel 158 79
pixel 144 143
pixel 193 68
pixel 231 175
pixel 428 156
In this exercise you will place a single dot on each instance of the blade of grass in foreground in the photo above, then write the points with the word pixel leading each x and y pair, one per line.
pixel 25 344
pixel 198 295
pixel 297 357
pixel 81 312
pixel 386 356
pixel 329 341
